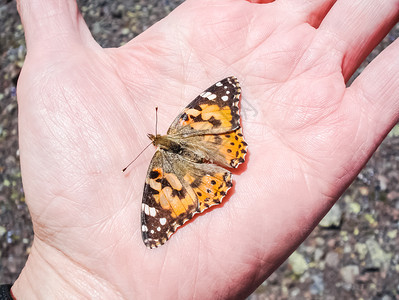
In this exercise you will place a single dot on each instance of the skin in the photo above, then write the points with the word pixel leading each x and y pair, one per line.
pixel 84 113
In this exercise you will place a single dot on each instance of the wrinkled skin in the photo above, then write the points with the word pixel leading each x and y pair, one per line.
pixel 84 113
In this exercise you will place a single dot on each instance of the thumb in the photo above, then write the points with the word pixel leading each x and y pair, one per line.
pixel 53 25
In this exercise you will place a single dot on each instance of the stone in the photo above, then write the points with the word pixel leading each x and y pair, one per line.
pixel 392 234
pixel 383 182
pixel 394 131
pixel 349 273
pixel 369 218
pixel 125 31
pixel 332 259
pixel 317 287
pixel 347 249
pixel 298 263
pixel 361 250
pixel 356 231
pixel 3 230
pixel 354 207
pixel 96 28
pixel 377 258
pixel 318 254
pixel 333 218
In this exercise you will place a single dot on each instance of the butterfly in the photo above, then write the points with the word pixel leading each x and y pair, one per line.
pixel 187 173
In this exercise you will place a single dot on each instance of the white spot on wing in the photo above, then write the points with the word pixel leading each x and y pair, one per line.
pixel 144 228
pixel 146 209
pixel 218 83
pixel 225 98
pixel 153 212
pixel 205 95
pixel 158 228
pixel 211 97
pixel 162 221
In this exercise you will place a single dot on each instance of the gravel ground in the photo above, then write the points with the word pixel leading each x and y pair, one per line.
pixel 352 254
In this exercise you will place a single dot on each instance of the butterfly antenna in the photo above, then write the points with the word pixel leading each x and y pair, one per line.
pixel 124 169
pixel 156 120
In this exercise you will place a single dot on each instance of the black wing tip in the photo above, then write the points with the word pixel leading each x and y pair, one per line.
pixel 232 77
pixel 149 242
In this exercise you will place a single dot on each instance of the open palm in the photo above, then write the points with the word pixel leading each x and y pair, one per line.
pixel 85 112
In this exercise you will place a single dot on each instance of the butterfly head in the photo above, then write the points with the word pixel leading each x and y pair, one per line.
pixel 157 139
pixel 154 138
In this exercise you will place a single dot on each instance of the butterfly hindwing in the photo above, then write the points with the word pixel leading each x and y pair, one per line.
pixel 175 190
pixel 226 149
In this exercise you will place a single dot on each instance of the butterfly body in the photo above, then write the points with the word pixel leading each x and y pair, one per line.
pixel 165 142
pixel 187 174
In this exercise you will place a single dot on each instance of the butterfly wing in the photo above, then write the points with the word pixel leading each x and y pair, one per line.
pixel 209 127
pixel 175 190
pixel 227 149
pixel 214 111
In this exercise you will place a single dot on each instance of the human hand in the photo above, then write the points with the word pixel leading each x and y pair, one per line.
pixel 85 111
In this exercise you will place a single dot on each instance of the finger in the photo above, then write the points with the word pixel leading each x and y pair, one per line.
pixel 52 24
pixel 376 91
pixel 357 27
pixel 311 11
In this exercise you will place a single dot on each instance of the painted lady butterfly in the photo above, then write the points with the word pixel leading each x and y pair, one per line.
pixel 182 179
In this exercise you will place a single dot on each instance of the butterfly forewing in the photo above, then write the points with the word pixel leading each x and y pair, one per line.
pixel 214 111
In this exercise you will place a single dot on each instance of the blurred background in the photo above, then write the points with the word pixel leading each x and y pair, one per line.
pixel 352 254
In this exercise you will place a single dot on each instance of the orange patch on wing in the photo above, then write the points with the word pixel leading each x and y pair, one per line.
pixel 190 113
pixel 233 147
pixel 173 181
pixel 152 181
pixel 187 201
pixel 201 125
pixel 164 196
pixel 212 189
pixel 222 114
pixel 177 205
